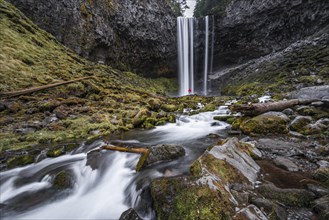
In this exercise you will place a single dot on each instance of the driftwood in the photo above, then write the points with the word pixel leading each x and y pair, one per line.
pixel 145 152
pixel 136 150
pixel 259 108
pixel 39 88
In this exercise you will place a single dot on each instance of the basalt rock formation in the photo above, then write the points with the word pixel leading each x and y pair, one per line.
pixel 130 35
pixel 249 29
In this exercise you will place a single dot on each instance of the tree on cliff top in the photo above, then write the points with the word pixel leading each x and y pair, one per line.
pixel 178 6
pixel 210 7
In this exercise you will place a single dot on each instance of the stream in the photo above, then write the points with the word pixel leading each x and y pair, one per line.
pixel 114 186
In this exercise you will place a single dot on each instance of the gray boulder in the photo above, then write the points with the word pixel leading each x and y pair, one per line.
pixel 164 152
pixel 130 214
pixel 314 92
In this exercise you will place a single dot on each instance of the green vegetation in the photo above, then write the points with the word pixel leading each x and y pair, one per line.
pixel 190 201
pixel 177 6
pixel 264 124
pixel 210 7
pixel 307 66
pixel 104 104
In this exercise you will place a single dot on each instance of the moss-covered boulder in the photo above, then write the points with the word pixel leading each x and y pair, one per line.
pixel 164 152
pixel 300 122
pixel 181 198
pixel 322 174
pixel 56 152
pixel 227 118
pixel 154 104
pixel 206 194
pixel 267 123
pixel 141 116
pixel 169 107
pixel 288 197
pixel 312 111
pixel 63 180
pixel 20 160
pixel 159 153
pixel 231 161
pixel 304 125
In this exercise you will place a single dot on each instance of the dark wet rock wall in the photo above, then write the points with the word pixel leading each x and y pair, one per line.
pixel 132 35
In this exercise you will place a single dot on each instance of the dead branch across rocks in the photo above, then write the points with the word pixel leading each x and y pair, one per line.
pixel 39 88
pixel 136 150
pixel 260 108
pixel 145 152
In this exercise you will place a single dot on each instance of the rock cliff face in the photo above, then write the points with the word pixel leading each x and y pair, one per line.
pixel 248 29
pixel 128 34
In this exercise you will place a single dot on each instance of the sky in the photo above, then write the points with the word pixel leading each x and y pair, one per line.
pixel 191 4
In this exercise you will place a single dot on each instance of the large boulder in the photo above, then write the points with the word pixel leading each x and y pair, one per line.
pixel 314 92
pixel 288 197
pixel 267 123
pixel 163 152
pixel 129 214
pixel 182 198
pixel 219 180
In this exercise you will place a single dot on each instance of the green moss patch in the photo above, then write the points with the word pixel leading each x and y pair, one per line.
pixel 178 198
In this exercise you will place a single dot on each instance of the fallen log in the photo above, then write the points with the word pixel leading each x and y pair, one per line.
pixel 136 150
pixel 39 88
pixel 260 108
pixel 145 152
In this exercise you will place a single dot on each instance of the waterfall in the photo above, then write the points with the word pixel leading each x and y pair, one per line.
pixel 187 57
pixel 206 53
pixel 185 41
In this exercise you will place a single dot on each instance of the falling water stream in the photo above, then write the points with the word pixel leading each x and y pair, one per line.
pixel 111 185
pixel 187 43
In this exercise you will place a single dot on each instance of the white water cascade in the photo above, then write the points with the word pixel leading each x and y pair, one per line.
pixel 206 53
pixel 185 40
pixel 104 184
pixel 187 62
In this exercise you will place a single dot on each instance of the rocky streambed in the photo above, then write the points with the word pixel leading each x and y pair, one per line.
pixel 210 165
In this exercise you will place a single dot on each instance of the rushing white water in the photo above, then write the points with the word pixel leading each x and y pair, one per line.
pixel 110 189
pixel 189 128
pixel 96 194
pixel 186 54
pixel 206 54
pixel 185 44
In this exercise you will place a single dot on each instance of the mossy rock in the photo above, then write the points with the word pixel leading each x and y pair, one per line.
pixel 237 122
pixel 209 107
pixel 227 118
pixel 154 104
pixel 312 111
pixel 264 124
pixel 322 174
pixel 21 160
pixel 141 116
pixel 299 123
pixel 171 118
pixel 181 198
pixel 63 180
pixel 196 168
pixel 56 152
pixel 169 107
pixel 288 197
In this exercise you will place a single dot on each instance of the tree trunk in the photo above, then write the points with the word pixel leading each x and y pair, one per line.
pixel 135 150
pixel 145 152
pixel 259 108
pixel 39 88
